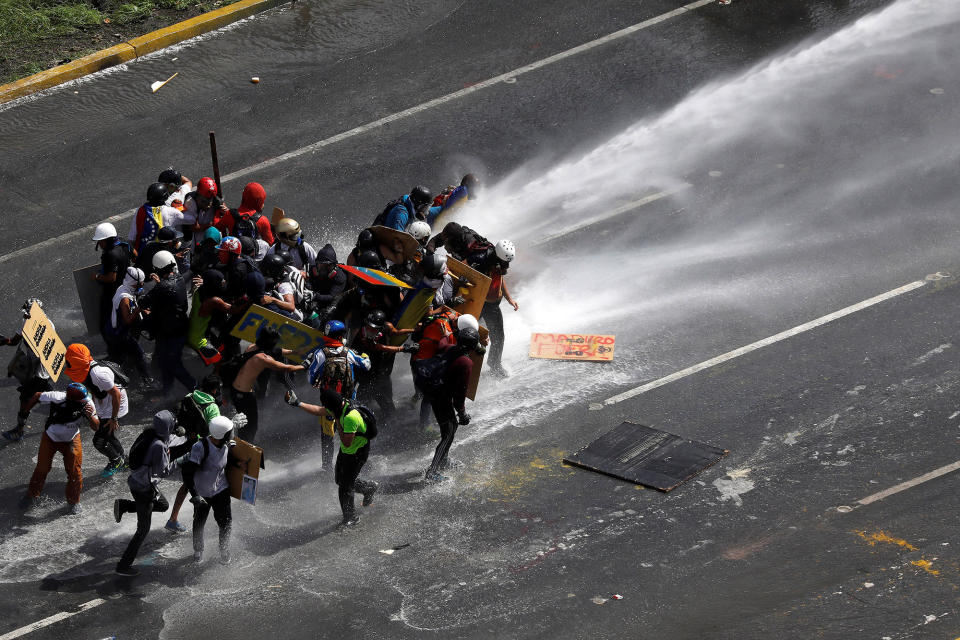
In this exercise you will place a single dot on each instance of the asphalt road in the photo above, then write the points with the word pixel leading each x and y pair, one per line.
pixel 813 164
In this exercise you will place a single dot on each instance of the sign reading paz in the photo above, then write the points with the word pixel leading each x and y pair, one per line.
pixel 572 346
pixel 42 338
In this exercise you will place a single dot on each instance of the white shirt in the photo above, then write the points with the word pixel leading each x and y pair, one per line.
pixel 180 194
pixel 168 215
pixel 69 431
pixel 284 289
pixel 104 380
pixel 211 478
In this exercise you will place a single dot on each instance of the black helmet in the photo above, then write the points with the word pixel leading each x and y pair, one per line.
pixel 365 240
pixel 248 246
pixel 376 319
pixel 285 256
pixel 272 265
pixel 156 194
pixel 468 338
pixel 370 260
pixel 169 176
pixel 420 196
pixel 434 266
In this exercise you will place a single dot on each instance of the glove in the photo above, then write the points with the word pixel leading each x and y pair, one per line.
pixel 307 361
pixel 411 347
pixel 291 398
pixel 457 301
pixel 464 418
pixel 198 501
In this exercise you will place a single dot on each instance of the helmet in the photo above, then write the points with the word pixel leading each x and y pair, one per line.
pixel 505 250
pixel 220 426
pixel 103 231
pixel 272 264
pixel 471 182
pixel 370 260
pixel 365 240
pixel 76 392
pixel 376 318
pixel 207 187
pixel 288 230
pixel 334 328
pixel 468 338
pixel 285 256
pixel 467 321
pixel 230 244
pixel 214 234
pixel 419 229
pixel 420 196
pixel 434 266
pixel 156 194
pixel 168 234
pixel 29 303
pixel 78 361
pixel 163 260
pixel 248 246
pixel 170 176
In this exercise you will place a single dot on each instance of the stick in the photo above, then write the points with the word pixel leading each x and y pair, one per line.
pixel 216 165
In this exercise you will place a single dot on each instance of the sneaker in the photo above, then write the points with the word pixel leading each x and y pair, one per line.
pixel 434 478
pixel 76 509
pixel 350 522
pixel 198 556
pixel 174 527
pixel 14 435
pixel 117 510
pixel 225 556
pixel 127 570
pixel 112 467
pixel 368 495
pixel 26 502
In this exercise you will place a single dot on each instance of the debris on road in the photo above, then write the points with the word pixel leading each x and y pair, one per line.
pixel 159 83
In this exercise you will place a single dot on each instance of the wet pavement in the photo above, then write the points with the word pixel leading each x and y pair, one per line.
pixel 808 177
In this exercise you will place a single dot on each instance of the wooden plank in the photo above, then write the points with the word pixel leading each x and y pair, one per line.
pixel 277 216
pixel 39 334
pixel 294 335
pixel 475 293
pixel 572 346
pixel 89 291
pixel 477 366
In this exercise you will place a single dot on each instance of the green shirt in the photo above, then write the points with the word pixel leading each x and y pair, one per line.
pixel 352 422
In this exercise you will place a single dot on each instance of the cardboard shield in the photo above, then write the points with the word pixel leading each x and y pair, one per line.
pixel 475 292
pixel 294 335
pixel 39 334
pixel 244 466
pixel 572 346
pixel 89 292
pixel 414 306
pixel 396 246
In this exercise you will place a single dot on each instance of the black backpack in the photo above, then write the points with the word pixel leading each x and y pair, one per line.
pixel 120 378
pixel 230 368
pixel 429 373
pixel 381 219
pixel 138 452
pixel 190 415
pixel 246 226
pixel 369 420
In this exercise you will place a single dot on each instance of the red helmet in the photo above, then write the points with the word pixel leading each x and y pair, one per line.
pixel 207 187
pixel 228 245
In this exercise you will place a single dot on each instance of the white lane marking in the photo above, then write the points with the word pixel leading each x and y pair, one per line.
pixel 376 124
pixel 903 486
pixel 736 353
pixel 636 204
pixel 46 622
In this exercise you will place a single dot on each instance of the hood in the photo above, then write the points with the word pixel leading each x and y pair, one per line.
pixel 327 254
pixel 207 403
pixel 78 362
pixel 212 284
pixel 255 286
pixel 253 198
pixel 163 424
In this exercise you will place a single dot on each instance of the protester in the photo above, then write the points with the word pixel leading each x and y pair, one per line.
pixel 126 317
pixel 26 367
pixel 167 303
pixel 248 219
pixel 115 257
pixel 494 264
pixel 402 211
pixel 204 473
pixel 152 216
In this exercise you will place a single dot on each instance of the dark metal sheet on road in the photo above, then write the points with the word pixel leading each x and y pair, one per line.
pixel 647 456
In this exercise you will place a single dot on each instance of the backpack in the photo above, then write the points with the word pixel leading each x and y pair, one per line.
pixel 61 413
pixel 442 197
pixel 190 415
pixel 138 452
pixel 381 220
pixel 22 367
pixel 337 374
pixel 230 368
pixel 369 420
pixel 246 226
pixel 429 374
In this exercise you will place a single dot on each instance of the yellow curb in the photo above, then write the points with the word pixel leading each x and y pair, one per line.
pixel 70 71
pixel 134 48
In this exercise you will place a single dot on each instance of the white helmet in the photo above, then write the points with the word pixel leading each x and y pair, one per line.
pixel 505 250
pixel 419 229
pixel 220 426
pixel 288 231
pixel 103 231
pixel 467 321
pixel 163 259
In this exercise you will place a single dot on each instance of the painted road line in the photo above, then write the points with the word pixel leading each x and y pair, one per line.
pixel 909 484
pixel 630 206
pixel 736 353
pixel 46 622
pixel 376 124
